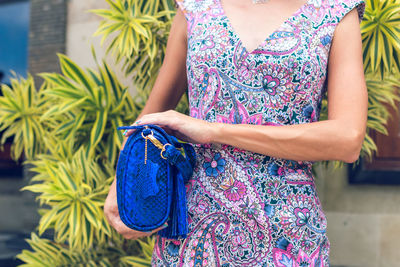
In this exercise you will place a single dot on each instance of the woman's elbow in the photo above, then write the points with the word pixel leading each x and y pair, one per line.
pixel 352 157
pixel 352 146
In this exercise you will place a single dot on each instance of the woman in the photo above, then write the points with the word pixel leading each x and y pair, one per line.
pixel 256 73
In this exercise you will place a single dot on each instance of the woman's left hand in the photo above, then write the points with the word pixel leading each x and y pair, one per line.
pixel 183 127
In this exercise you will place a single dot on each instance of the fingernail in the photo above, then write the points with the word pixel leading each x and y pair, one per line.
pixel 125 132
pixel 138 121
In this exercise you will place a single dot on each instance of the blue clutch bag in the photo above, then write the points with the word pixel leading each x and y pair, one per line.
pixel 152 170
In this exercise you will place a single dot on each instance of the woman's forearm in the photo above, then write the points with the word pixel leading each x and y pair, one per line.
pixel 323 140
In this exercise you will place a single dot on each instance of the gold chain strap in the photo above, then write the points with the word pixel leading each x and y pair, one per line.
pixel 145 151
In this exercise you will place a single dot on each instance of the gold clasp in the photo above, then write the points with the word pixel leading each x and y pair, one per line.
pixel 156 142
pixel 163 149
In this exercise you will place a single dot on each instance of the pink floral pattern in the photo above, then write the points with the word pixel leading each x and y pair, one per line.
pixel 235 190
pixel 249 209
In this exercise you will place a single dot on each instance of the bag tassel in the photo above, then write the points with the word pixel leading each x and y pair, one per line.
pixel 177 223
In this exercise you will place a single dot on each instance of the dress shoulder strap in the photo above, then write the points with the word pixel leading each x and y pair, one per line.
pixel 342 7
pixel 191 8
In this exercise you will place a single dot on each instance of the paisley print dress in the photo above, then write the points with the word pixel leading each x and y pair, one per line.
pixel 249 209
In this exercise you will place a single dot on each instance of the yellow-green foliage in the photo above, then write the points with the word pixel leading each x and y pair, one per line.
pixel 381 37
pixel 68 132
pixel 20 110
pixel 73 191
pixel 67 128
pixel 89 102
pixel 139 32
pixel 48 253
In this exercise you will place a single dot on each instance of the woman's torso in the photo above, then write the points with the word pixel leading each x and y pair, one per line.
pixel 247 208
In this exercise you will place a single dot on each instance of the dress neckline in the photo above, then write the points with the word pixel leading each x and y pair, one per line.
pixel 232 29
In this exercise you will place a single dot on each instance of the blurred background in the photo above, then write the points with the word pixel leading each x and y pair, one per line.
pixel 361 201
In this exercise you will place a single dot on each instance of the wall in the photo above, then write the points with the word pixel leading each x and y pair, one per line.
pixel 47 34
pixel 363 221
pixel 81 27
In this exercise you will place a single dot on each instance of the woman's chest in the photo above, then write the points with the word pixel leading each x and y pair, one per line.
pixel 303 39
pixel 280 81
